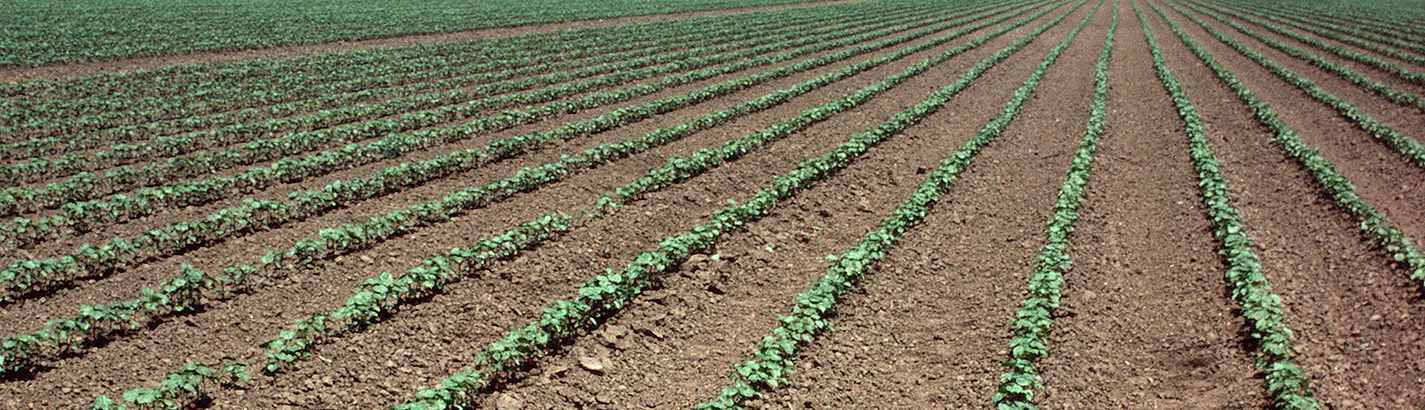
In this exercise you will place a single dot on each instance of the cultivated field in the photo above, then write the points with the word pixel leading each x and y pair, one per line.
pixel 1008 204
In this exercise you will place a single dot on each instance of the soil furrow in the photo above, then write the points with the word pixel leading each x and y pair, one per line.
pixel 1408 120
pixel 1382 176
pixel 335 282
pixel 1145 318
pixel 756 272
pixel 932 315
pixel 284 236
pixel 1357 319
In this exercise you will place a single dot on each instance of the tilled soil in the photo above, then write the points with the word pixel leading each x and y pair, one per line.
pixel 1145 323
pixel 1356 316
pixel 1146 320
pixel 291 232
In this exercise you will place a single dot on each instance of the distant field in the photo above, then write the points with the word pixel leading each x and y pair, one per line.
pixel 900 204
pixel 49 31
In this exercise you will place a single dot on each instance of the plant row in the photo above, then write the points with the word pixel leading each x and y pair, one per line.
pixel 1389 67
pixel 214 88
pixel 1374 61
pixel 1368 23
pixel 94 323
pixel 296 342
pixel 1286 380
pixel 410 79
pixel 1386 51
pixel 27 276
pixel 44 33
pixel 606 294
pixel 180 389
pixel 410 114
pixel 84 185
pixel 1399 97
pixel 245 111
pixel 1346 31
pixel 1035 317
pixel 1411 149
pixel 257 78
pixel 357 236
pixel 813 308
pixel 81 213
pixel 1398 245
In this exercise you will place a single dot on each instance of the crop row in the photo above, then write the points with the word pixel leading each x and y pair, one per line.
pixel 1401 55
pixel 414 113
pixel 295 343
pixel 79 214
pixel 1035 317
pixel 1369 23
pixel 676 169
pixel 1318 19
pixel 605 294
pixel 356 236
pixel 237 111
pixel 84 186
pixel 1379 63
pixel 360 70
pixel 212 88
pixel 147 201
pixel 1398 96
pixel 1262 309
pixel 44 33
pixel 1411 149
pixel 813 308
pixel 1355 36
pixel 28 276
pixel 399 78
pixel 1396 244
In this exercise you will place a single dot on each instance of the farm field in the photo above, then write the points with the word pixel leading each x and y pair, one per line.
pixel 1010 204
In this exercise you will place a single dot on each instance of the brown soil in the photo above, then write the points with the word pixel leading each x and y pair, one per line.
pixel 1146 321
pixel 1357 318
pixel 25 319
pixel 1403 118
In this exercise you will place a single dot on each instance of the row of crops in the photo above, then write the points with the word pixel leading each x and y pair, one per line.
pixel 327 157
pixel 38 33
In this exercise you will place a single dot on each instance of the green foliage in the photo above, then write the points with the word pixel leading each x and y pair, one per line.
pixel 1398 245
pixel 259 214
pixel 182 388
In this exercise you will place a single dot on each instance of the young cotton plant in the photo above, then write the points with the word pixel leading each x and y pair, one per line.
pixel 181 389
